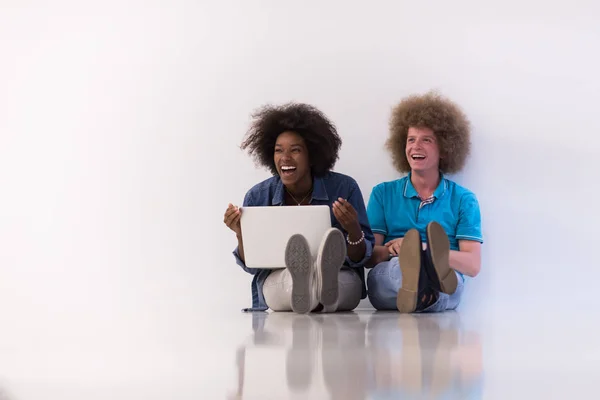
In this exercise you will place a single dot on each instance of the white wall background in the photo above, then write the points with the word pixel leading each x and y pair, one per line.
pixel 120 121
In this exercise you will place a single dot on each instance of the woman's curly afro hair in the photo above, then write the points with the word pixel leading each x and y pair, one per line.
pixel 318 132
pixel 445 118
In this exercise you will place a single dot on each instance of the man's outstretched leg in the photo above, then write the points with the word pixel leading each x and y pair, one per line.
pixel 416 293
pixel 413 280
pixel 445 283
pixel 442 276
pixel 410 267
pixel 402 283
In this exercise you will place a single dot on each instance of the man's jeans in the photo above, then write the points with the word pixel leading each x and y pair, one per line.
pixel 385 280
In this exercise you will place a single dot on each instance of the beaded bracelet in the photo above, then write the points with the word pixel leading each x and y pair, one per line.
pixel 357 242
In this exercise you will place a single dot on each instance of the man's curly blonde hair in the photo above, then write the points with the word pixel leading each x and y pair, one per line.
pixel 431 110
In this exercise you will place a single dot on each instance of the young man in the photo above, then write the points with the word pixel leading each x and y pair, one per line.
pixel 427 228
pixel 300 146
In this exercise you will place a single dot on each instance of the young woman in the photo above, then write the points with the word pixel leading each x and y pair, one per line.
pixel 427 228
pixel 300 146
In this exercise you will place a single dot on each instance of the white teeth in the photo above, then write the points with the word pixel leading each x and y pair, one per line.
pixel 287 168
pixel 417 156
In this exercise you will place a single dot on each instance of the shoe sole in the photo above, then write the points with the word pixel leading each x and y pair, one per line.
pixel 439 249
pixel 298 261
pixel 410 267
pixel 331 257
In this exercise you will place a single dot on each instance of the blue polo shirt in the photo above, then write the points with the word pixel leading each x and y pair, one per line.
pixel 395 207
pixel 326 190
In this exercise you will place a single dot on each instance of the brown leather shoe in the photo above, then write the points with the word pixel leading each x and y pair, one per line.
pixel 410 267
pixel 438 253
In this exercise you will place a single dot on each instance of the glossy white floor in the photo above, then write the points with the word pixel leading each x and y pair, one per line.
pixel 359 355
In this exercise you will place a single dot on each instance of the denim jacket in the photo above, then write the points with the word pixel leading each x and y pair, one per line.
pixel 326 190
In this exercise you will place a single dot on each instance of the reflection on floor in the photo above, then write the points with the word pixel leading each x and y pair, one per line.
pixel 182 354
pixel 359 356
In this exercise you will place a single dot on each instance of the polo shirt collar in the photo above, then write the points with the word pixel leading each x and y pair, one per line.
pixel 410 191
pixel 319 192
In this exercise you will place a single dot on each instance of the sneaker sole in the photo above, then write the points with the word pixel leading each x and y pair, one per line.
pixel 439 249
pixel 410 267
pixel 298 261
pixel 332 254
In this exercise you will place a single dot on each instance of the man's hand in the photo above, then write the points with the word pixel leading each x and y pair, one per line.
pixel 394 246
pixel 232 219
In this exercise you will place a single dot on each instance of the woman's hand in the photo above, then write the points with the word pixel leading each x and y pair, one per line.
pixel 232 219
pixel 347 216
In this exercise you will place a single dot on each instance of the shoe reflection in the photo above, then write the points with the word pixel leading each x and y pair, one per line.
pixel 358 356
pixel 424 356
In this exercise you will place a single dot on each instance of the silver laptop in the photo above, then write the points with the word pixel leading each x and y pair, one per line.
pixel 266 230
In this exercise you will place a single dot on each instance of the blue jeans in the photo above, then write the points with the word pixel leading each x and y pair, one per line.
pixel 385 280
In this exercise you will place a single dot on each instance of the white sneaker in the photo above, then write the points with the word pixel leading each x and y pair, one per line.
pixel 330 258
pixel 299 263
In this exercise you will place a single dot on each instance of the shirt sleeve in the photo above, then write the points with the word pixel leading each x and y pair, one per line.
pixel 248 202
pixel 375 211
pixel 356 199
pixel 469 219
